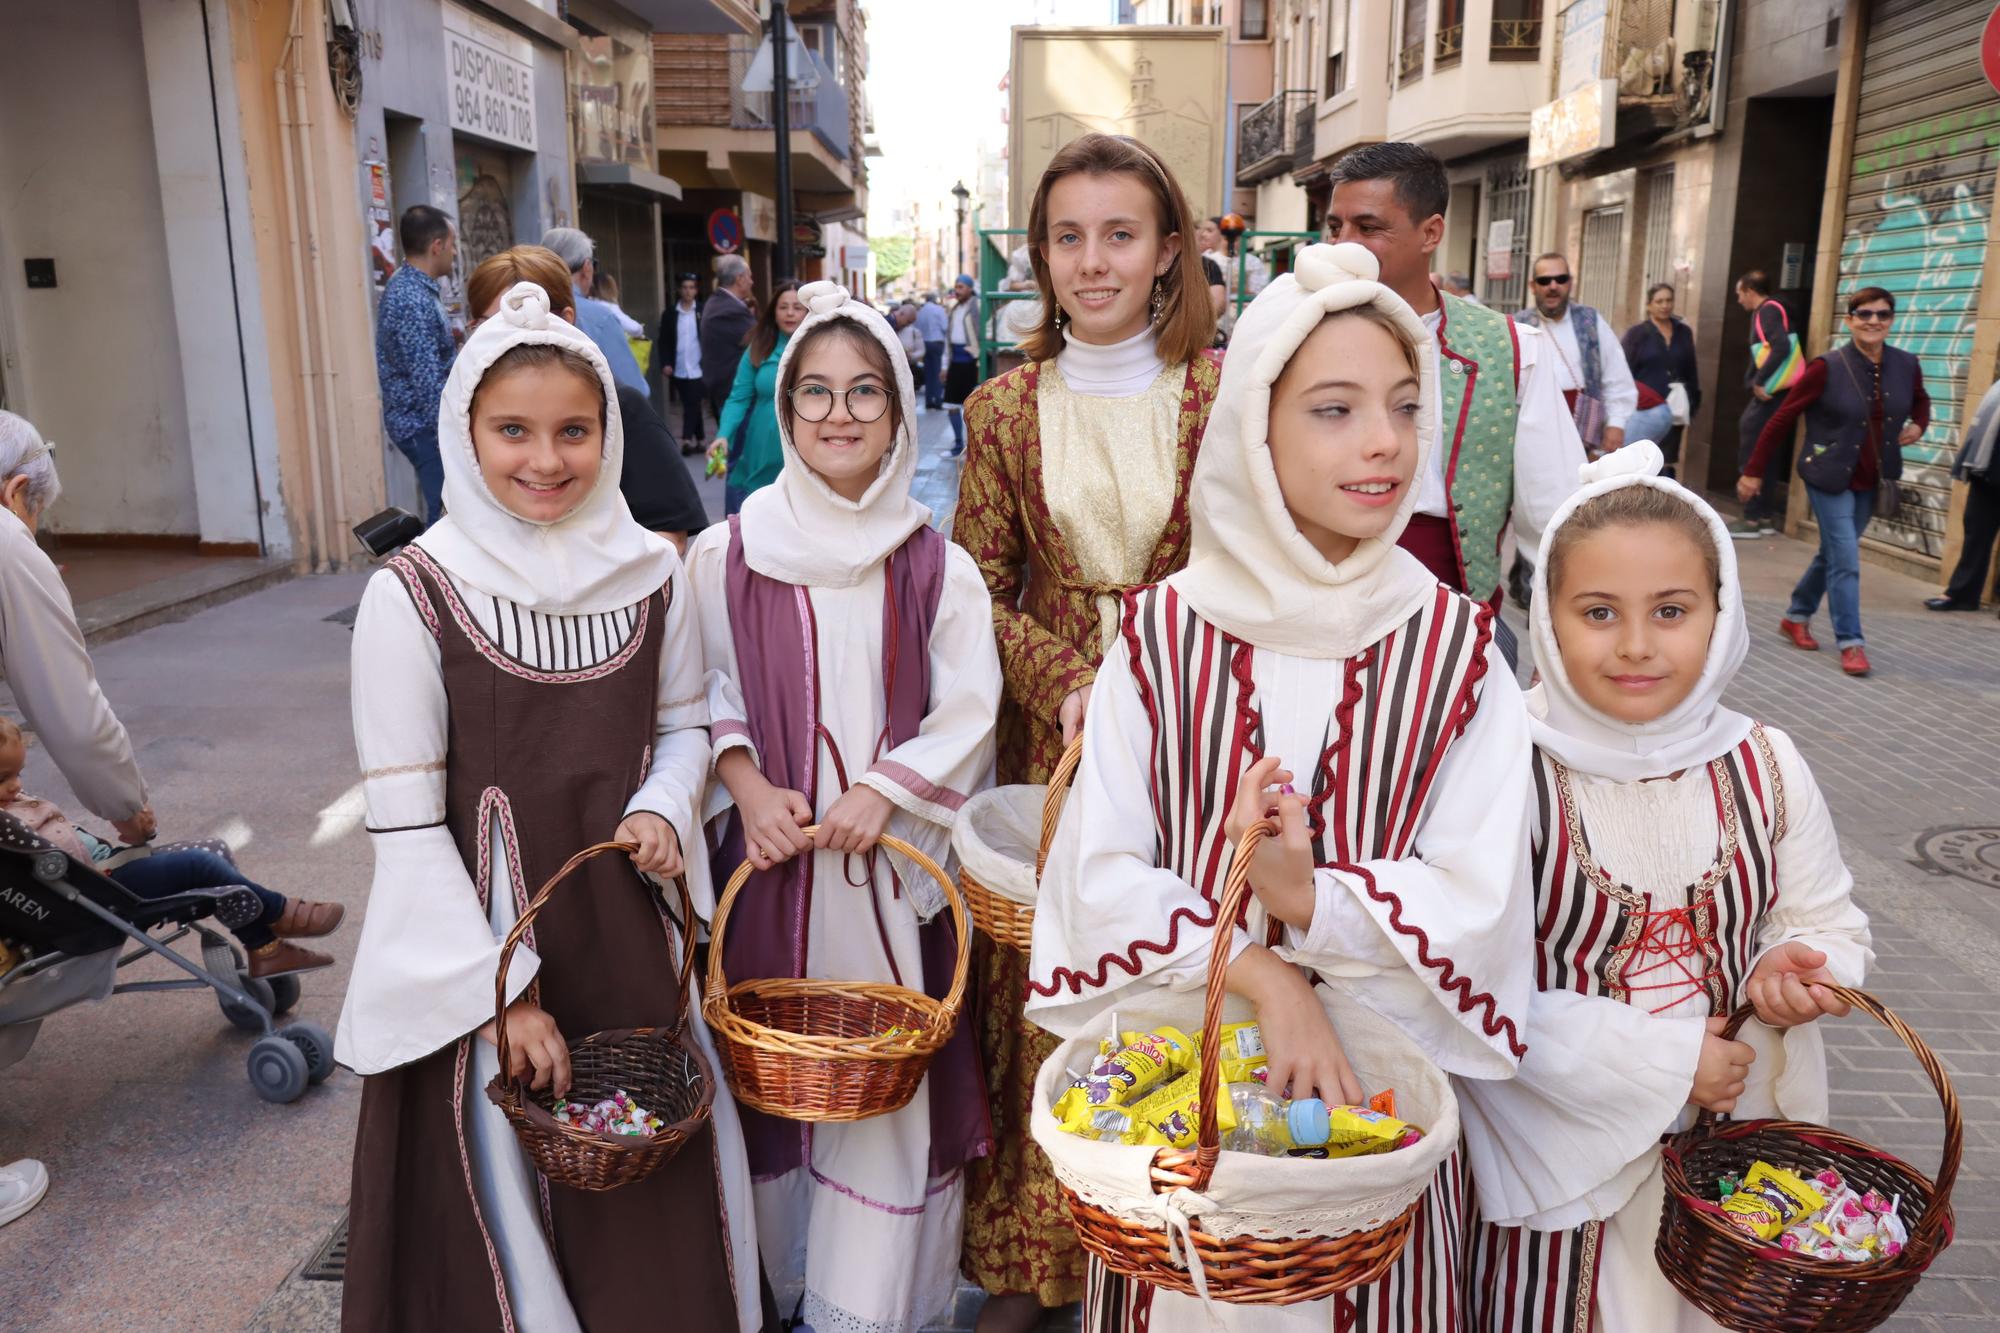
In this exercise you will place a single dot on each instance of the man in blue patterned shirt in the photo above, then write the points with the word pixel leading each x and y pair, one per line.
pixel 414 348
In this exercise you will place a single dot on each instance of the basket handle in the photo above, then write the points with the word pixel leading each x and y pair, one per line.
pixel 717 984
pixel 527 919
pixel 1929 1229
pixel 1208 1137
pixel 1052 802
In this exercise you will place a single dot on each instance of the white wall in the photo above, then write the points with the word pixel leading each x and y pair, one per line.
pixel 98 357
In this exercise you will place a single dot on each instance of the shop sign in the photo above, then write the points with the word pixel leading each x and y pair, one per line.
pixel 760 217
pixel 1581 61
pixel 854 256
pixel 1583 122
pixel 489 78
pixel 808 239
pixel 725 231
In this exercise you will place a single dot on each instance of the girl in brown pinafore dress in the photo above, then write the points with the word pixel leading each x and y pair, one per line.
pixel 525 683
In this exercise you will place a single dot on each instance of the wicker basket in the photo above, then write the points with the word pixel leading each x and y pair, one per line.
pixel 1745 1283
pixel 804 1049
pixel 659 1067
pixel 1238 1270
pixel 1006 919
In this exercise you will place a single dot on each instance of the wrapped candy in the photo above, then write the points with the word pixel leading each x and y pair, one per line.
pixel 1124 1074
pixel 1771 1200
pixel 1843 1227
pixel 616 1114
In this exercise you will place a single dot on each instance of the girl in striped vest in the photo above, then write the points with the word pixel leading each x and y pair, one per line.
pixel 1684 864
pixel 1304 664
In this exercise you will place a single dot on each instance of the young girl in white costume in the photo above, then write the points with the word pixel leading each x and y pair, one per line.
pixel 1685 863
pixel 527 682
pixel 854 683
pixel 1303 662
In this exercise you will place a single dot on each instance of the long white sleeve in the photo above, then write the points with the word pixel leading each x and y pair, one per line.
pixel 1547 449
pixel 1621 395
pixel 43 657
pixel 673 785
pixel 426 962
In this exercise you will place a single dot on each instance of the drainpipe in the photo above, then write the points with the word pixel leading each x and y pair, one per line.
pixel 317 560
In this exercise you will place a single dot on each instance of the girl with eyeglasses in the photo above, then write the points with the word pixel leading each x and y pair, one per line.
pixel 1862 404
pixel 853 682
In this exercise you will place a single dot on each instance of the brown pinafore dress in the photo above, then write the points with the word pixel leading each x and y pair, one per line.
pixel 540 765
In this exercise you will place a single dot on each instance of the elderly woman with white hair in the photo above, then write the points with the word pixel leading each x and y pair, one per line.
pixel 44 661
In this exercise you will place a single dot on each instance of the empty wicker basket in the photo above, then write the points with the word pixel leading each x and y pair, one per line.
pixel 995 833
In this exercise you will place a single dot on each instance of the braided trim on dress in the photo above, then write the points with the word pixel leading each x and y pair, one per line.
pixel 1770 756
pixel 514 667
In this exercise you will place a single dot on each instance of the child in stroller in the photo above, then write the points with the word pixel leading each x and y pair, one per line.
pixel 175 868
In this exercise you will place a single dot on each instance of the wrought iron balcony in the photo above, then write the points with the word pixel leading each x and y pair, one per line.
pixel 822 110
pixel 1450 45
pixel 1516 39
pixel 1268 134
pixel 1410 62
pixel 1304 135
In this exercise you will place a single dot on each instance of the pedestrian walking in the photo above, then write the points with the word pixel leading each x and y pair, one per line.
pixel 1237 679
pixel 726 320
pixel 1776 362
pixel 1075 490
pixel 934 326
pixel 859 1222
pixel 1663 827
pixel 961 375
pixel 1980 525
pixel 747 438
pixel 414 347
pixel 905 321
pixel 1590 364
pixel 1862 403
pixel 598 320
pixel 676 359
pixel 1660 351
pixel 604 290
pixel 1511 452
pixel 528 681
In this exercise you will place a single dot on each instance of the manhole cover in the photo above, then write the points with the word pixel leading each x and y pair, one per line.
pixel 1970 853
pixel 345 617
pixel 329 1262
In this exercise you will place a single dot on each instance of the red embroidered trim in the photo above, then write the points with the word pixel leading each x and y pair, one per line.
pixel 486 649
pixel 1449 979
pixel 1129 960
pixel 1333 763
pixel 414 585
pixel 465 1167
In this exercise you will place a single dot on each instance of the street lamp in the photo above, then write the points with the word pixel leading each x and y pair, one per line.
pixel 960 193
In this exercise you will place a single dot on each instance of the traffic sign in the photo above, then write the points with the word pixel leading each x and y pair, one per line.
pixel 725 231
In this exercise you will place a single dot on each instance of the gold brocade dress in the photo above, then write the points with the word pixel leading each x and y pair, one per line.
pixel 1067 499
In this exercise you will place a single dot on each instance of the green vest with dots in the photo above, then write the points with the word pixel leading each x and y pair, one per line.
pixel 1479 375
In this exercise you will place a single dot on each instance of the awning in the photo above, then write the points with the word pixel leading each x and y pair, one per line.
pixel 625 177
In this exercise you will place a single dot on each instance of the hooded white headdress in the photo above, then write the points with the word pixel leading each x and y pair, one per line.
pixel 593 559
pixel 1697 729
pixel 1250 571
pixel 798 529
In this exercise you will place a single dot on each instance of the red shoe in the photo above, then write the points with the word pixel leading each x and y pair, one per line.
pixel 1800 636
pixel 1853 661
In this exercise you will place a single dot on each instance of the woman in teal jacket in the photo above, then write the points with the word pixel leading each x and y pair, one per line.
pixel 748 432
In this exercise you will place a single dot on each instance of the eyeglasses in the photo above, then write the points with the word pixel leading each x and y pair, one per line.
pixel 1872 315
pixel 865 402
pixel 1552 279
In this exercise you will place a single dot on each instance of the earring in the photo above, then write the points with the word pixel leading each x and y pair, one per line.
pixel 1158 301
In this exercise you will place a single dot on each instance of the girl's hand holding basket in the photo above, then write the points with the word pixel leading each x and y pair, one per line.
pixel 1304 1055
pixel 533 1042
pixel 1791 986
pixel 855 822
pixel 1721 1072
pixel 657 848
pixel 1281 873
pixel 773 817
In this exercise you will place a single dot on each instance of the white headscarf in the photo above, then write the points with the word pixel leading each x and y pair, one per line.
pixel 798 529
pixel 1699 728
pixel 1250 572
pixel 593 559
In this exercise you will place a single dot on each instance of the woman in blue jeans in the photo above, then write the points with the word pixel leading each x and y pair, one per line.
pixel 1862 403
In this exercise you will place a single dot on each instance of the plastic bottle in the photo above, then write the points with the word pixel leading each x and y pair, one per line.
pixel 1271 1125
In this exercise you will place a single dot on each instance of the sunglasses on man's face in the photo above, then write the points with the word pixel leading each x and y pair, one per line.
pixel 1872 315
pixel 1552 280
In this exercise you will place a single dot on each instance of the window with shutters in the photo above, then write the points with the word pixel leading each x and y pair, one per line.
pixel 1517 30
pixel 1603 257
pixel 1659 227
pixel 1410 51
pixel 1254 20
pixel 1336 48
pixel 1450 32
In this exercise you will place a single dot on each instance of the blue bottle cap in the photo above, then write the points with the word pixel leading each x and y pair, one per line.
pixel 1308 1122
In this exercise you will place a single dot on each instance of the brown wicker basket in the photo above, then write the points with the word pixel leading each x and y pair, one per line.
pixel 1752 1285
pixel 1240 1270
pixel 1004 920
pixel 805 1049
pixel 658 1067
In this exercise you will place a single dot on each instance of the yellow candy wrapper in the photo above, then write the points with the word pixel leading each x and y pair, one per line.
pixel 1240 1047
pixel 1121 1077
pixel 1170 1117
pixel 1770 1200
pixel 1361 1132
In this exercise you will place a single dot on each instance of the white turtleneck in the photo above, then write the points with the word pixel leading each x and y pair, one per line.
pixel 1114 370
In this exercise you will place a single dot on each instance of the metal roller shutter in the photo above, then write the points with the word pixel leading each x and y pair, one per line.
pixel 1919 200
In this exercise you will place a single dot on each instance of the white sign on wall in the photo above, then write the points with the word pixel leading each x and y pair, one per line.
pixel 1500 248
pixel 1586 121
pixel 489 79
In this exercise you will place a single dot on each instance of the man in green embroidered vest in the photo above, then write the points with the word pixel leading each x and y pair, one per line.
pixel 1507 446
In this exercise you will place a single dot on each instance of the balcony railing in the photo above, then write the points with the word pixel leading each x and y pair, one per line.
pixel 1642 55
pixel 1410 62
pixel 1269 132
pixel 823 110
pixel 1450 45
pixel 1516 39
pixel 1305 125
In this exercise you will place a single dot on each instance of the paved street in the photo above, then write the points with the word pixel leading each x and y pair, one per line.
pixel 182 1202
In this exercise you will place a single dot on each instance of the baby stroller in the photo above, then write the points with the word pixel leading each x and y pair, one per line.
pixel 73 922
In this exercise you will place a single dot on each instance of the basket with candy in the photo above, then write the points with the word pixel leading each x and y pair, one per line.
pixel 591 1139
pixel 1180 1169
pixel 829 1051
pixel 1002 838
pixel 1775 1224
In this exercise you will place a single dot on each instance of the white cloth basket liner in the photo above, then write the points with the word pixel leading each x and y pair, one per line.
pixel 1268 1198
pixel 997 836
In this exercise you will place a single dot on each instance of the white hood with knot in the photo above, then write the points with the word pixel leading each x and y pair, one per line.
pixel 1697 729
pixel 798 529
pixel 593 559
pixel 1250 572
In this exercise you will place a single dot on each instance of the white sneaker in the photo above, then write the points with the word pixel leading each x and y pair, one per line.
pixel 22 1185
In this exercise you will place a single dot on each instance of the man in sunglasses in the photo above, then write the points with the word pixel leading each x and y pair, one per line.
pixel 1590 364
